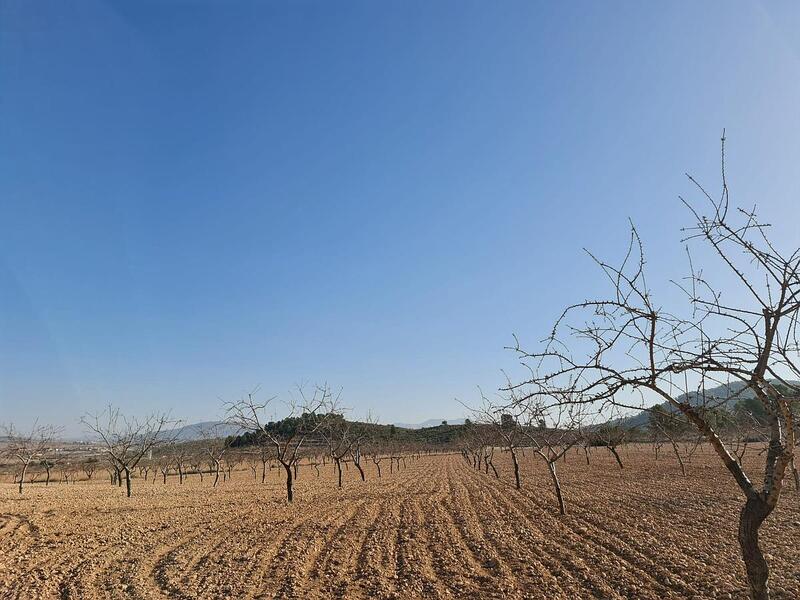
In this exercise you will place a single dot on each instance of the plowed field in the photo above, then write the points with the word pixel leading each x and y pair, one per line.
pixel 436 529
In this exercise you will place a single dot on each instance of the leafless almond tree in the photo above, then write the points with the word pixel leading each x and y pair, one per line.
pixel 28 447
pixel 49 463
pixel 472 444
pixel 360 438
pixel 505 425
pixel 342 438
pixel 180 453
pixel 552 430
pixel 610 436
pixel 213 449
pixel 306 414
pixel 231 461
pixel 164 465
pixel 252 464
pixel 89 467
pixel 196 462
pixel 127 440
pixel 669 426
pixel 263 457
pixel 376 460
pixel 627 350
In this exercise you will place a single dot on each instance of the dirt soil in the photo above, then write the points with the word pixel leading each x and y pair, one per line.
pixel 436 529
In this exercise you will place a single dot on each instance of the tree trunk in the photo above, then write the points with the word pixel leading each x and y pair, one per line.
pixel 263 471
pixel 516 468
pixel 22 477
pixel 557 484
pixel 680 460
pixel 752 516
pixel 289 494
pixel 360 471
pixel 379 469
pixel 614 452
pixel 586 452
pixel 339 470
pixel 180 473
pixel 47 479
pixel 216 474
pixel 128 481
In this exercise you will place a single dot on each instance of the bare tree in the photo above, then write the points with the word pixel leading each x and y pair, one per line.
pixel 230 464
pixel 625 350
pixel 666 425
pixel 49 463
pixel 472 444
pixel 65 473
pixel 505 426
pixel 196 462
pixel 610 436
pixel 305 416
pixel 128 440
pixel 488 459
pixel 263 456
pixel 164 465
pixel 179 454
pixel 89 467
pixel 360 436
pixel 373 448
pixel 355 453
pixel 742 427
pixel 28 447
pixel 376 460
pixel 552 430
pixel 252 464
pixel 342 437
pixel 213 448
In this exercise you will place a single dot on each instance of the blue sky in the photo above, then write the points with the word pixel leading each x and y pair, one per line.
pixel 199 197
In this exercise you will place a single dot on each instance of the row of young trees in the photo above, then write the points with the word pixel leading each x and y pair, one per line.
pixel 546 432
pixel 314 429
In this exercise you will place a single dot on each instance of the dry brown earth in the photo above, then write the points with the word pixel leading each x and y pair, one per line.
pixel 437 529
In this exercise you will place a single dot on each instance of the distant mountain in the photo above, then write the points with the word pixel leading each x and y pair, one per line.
pixel 724 395
pixel 195 431
pixel 429 423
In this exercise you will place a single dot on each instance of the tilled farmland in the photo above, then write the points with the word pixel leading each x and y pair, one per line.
pixel 436 529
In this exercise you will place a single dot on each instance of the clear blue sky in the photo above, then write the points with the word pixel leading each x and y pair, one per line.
pixel 196 198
